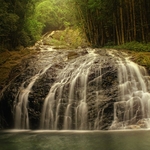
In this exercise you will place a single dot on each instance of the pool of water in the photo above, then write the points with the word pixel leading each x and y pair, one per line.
pixel 75 140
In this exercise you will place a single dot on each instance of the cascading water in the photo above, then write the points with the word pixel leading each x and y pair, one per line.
pixel 132 89
pixel 21 112
pixel 22 97
pixel 133 108
pixel 90 89
pixel 75 76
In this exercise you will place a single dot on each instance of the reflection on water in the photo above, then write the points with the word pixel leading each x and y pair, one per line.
pixel 71 140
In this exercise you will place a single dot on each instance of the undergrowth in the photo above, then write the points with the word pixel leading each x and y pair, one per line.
pixel 134 46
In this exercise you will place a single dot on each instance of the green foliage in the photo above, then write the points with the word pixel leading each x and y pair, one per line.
pixel 24 38
pixel 54 14
pixel 34 28
pixel 23 22
pixel 11 25
pixel 7 24
pixel 46 14
pixel 135 46
pixel 64 39
pixel 114 21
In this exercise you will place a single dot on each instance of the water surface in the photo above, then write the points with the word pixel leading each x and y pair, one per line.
pixel 75 140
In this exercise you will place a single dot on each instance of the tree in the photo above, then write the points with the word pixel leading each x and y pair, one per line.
pixel 24 21
pixel 47 15
pixel 114 21
pixel 7 24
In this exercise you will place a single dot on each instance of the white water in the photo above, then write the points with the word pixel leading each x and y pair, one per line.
pixel 133 107
pixel 21 106
pixel 75 74
pixel 66 106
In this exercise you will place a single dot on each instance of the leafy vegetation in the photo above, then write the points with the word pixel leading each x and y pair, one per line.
pixel 68 38
pixel 133 46
pixel 23 22
pixel 114 22
pixel 105 23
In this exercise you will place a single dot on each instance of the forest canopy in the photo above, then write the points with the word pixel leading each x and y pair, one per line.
pixel 111 22
pixel 24 21
pixel 115 22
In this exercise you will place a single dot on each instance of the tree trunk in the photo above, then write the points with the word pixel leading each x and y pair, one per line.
pixel 121 22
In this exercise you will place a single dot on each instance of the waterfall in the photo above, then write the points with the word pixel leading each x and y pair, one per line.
pixel 75 111
pixel 75 76
pixel 133 108
pixel 21 106
pixel 90 89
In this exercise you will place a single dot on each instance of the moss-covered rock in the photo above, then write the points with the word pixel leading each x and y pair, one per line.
pixel 9 59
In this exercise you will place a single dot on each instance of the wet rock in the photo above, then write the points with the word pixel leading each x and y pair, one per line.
pixel 90 89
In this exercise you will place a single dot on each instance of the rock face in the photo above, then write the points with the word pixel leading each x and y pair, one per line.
pixel 64 89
